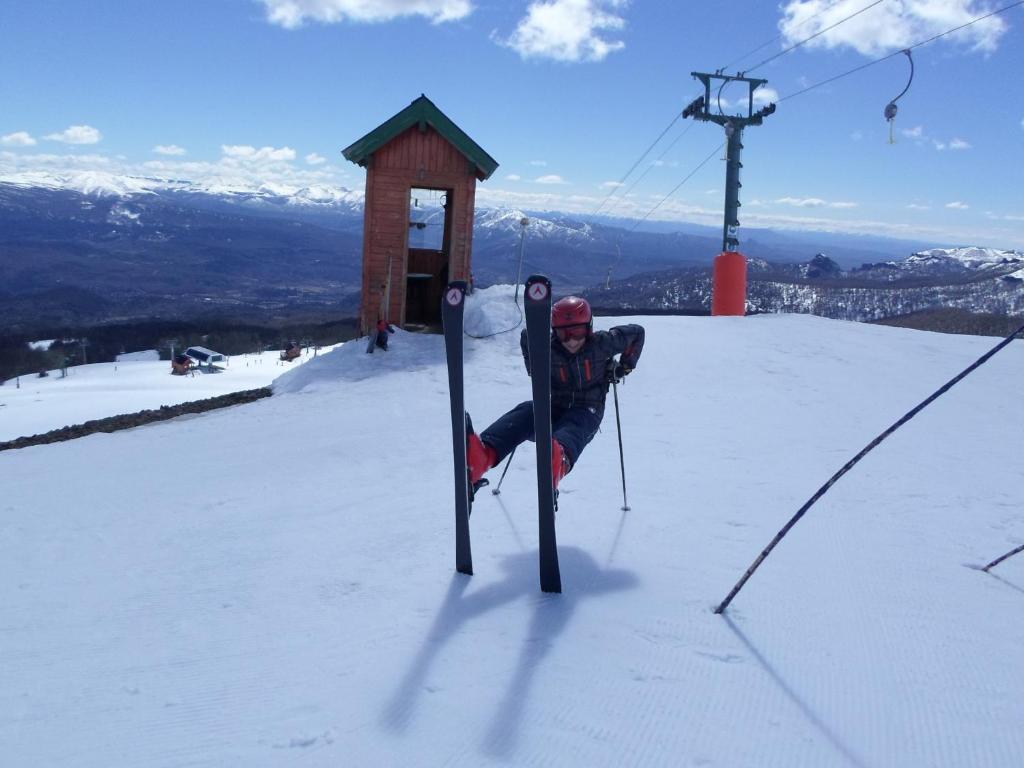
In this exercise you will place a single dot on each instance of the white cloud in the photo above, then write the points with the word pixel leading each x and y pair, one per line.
pixel 951 144
pixel 262 155
pixel 919 207
pixel 314 159
pixel 917 133
pixel 76 134
pixel 857 136
pixel 172 150
pixel 18 139
pixel 889 26
pixel 539 163
pixel 292 14
pixel 551 178
pixel 16 163
pixel 568 30
pixel 611 185
pixel 958 206
pixel 812 202
pixel 513 177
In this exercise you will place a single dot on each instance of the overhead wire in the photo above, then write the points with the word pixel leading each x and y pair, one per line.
pixel 931 39
pixel 765 44
pixel 793 47
pixel 657 160
pixel 690 175
pixel 789 96
pixel 638 161
pixel 771 58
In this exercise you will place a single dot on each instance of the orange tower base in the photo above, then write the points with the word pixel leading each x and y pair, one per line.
pixel 729 285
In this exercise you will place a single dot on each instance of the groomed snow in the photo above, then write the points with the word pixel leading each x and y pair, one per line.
pixel 32 405
pixel 145 354
pixel 273 584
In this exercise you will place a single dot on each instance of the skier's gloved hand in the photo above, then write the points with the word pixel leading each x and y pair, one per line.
pixel 617 371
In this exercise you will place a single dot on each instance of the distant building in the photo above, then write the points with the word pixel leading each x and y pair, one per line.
pixel 204 356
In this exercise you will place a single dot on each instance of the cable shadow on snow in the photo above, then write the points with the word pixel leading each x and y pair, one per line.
pixel 582 577
pixel 1010 584
pixel 833 738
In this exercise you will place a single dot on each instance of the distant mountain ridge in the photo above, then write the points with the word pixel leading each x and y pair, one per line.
pixel 89 247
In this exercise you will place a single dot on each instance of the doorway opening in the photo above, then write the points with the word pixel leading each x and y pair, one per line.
pixel 426 274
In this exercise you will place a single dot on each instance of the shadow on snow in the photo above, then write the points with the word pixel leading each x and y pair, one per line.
pixel 584 579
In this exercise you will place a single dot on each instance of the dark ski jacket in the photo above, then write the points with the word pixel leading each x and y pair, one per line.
pixel 582 379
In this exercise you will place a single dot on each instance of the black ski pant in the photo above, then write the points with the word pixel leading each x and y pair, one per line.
pixel 572 427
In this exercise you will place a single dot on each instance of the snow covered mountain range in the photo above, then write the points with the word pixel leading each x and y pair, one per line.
pixel 89 247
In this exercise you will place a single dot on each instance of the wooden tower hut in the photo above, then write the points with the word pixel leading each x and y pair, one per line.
pixel 421 174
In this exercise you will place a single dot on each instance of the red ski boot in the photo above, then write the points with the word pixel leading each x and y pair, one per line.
pixel 479 456
pixel 560 465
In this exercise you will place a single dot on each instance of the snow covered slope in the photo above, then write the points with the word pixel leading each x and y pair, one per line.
pixel 95 391
pixel 273 584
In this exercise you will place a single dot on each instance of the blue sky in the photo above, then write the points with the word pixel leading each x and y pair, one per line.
pixel 565 94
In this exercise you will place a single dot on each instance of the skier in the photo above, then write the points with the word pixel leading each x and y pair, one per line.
pixel 383 329
pixel 582 368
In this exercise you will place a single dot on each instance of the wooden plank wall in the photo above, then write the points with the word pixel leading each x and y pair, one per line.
pixel 413 159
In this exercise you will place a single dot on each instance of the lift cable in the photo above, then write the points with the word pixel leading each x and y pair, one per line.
pixel 996 12
pixel 769 42
pixel 771 58
pixel 700 165
pixel 656 161
pixel 638 161
pixel 932 39
pixel 793 47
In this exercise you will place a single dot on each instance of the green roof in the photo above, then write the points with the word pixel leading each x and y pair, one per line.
pixel 421 112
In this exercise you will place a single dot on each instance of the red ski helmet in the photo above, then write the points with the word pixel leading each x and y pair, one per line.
pixel 572 312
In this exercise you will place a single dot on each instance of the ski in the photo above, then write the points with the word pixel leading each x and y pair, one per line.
pixel 452 306
pixel 538 336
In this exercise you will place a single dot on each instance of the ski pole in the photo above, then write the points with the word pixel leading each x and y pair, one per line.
pixel 1000 559
pixel 497 490
pixel 622 460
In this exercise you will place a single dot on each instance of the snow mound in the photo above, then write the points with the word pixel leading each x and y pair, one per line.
pixel 490 312
pixel 494 310
pixel 349 362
